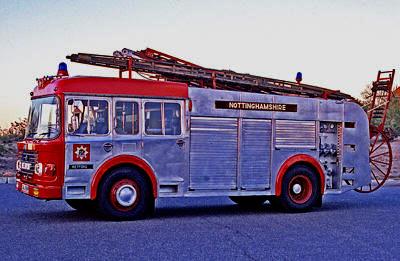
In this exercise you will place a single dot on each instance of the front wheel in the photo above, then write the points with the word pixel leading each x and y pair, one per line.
pixel 300 190
pixel 125 195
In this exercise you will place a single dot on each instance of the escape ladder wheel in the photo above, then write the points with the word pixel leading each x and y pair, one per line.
pixel 380 160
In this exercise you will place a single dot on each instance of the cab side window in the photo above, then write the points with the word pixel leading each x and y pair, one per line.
pixel 172 116
pixel 88 117
pixel 153 123
pixel 162 118
pixel 126 118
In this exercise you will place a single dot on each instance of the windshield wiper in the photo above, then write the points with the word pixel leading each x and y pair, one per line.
pixel 50 130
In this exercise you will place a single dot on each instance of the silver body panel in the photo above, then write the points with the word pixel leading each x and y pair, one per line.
pixel 357 159
pixel 216 139
pixel 255 154
pixel 232 152
pixel 295 134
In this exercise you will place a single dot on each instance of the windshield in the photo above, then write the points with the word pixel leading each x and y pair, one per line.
pixel 44 118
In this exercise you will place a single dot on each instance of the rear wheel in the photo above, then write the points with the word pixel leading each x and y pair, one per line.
pixel 300 190
pixel 125 194
pixel 249 201
pixel 82 205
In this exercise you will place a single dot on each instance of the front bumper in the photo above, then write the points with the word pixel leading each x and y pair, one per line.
pixel 39 191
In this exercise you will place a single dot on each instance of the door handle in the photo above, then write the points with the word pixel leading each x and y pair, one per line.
pixel 180 142
pixel 107 147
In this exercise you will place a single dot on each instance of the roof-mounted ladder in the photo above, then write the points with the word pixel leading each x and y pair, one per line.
pixel 162 66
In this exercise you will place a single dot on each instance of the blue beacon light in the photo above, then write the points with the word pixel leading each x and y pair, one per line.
pixel 299 77
pixel 62 69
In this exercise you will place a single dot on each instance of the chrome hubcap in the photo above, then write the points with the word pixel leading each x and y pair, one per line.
pixel 296 188
pixel 126 195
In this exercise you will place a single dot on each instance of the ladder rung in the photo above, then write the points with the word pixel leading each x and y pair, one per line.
pixel 380 88
pixel 381 82
pixel 387 71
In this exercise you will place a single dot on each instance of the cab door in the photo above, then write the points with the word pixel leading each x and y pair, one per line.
pixel 127 136
pixel 88 142
pixel 165 141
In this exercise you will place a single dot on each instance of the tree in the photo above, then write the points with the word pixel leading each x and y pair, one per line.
pixel 393 116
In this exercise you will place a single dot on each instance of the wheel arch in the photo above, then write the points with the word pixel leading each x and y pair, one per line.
pixel 123 161
pixel 299 159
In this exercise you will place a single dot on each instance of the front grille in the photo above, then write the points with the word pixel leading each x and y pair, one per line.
pixel 28 157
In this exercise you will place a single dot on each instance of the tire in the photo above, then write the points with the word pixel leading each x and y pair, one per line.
pixel 249 201
pixel 300 190
pixel 125 194
pixel 82 205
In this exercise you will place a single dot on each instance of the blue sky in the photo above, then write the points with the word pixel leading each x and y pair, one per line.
pixel 336 44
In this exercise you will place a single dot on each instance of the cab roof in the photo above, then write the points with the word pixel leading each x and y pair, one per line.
pixel 86 85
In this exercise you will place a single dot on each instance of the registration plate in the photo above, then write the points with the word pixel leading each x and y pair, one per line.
pixel 25 188
pixel 26 166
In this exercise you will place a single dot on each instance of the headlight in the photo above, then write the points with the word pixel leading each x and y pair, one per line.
pixel 38 169
pixel 18 165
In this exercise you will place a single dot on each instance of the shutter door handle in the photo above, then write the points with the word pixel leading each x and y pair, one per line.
pixel 180 142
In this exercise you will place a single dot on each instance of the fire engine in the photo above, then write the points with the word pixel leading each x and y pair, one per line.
pixel 115 145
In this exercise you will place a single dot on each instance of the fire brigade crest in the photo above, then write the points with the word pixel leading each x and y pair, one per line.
pixel 81 152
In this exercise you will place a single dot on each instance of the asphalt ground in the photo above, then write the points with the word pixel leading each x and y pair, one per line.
pixel 351 226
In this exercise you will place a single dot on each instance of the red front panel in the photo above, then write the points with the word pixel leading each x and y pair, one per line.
pixel 49 184
pixel 51 153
